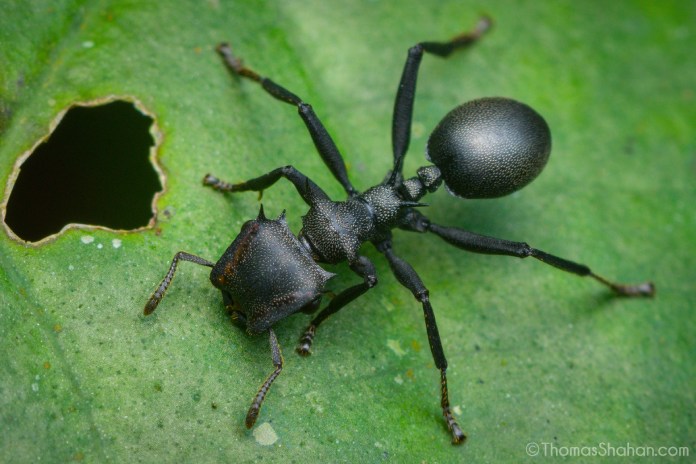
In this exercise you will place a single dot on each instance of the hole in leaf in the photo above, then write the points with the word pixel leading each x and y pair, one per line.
pixel 95 168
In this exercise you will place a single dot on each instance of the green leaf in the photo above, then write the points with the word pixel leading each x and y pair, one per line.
pixel 535 355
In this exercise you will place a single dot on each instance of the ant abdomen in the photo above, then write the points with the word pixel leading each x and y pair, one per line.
pixel 489 147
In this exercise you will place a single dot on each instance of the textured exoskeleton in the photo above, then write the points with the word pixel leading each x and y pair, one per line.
pixel 490 147
pixel 482 149
pixel 266 275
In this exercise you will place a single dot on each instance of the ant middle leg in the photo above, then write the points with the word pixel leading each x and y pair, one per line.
pixel 322 140
pixel 408 277
pixel 484 244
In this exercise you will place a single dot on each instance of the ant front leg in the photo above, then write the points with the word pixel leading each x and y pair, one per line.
pixel 408 277
pixel 161 289
pixel 405 95
pixel 322 140
pixel 477 243
pixel 310 192
pixel 364 268
pixel 277 356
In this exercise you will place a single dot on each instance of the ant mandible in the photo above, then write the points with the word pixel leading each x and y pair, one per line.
pixel 485 148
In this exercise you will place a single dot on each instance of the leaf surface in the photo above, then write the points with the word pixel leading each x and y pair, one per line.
pixel 535 355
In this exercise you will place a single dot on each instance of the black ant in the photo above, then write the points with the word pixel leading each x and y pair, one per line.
pixel 485 148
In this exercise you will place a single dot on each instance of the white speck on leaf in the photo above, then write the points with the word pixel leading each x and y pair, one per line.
pixel 87 239
pixel 395 346
pixel 116 243
pixel 265 435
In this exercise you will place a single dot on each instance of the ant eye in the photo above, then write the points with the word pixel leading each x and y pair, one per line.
pixel 490 147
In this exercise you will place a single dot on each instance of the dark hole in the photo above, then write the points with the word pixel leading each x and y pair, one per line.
pixel 93 169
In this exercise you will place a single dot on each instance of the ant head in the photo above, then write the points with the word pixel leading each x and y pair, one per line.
pixel 489 147
pixel 268 273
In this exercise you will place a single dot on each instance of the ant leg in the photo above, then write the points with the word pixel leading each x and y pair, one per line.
pixel 408 277
pixel 477 243
pixel 308 190
pixel 158 294
pixel 403 106
pixel 253 413
pixel 322 140
pixel 364 268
